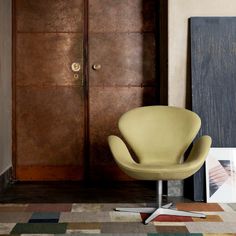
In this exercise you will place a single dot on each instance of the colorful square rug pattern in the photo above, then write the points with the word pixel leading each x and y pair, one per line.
pixel 100 219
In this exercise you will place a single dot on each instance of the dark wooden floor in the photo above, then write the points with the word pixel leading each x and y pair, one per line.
pixel 63 192
pixel 79 192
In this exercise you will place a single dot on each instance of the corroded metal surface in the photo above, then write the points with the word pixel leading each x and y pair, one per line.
pixel 50 123
pixel 122 41
pixel 50 118
pixel 126 59
pixel 106 106
pixel 49 95
pixel 49 16
pixel 45 59
pixel 122 15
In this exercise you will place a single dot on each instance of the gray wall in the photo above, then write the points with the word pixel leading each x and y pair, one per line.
pixel 5 85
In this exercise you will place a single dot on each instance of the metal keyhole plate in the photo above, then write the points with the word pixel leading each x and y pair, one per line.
pixel 75 66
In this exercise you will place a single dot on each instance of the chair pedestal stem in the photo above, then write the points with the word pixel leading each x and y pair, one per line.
pixel 159 193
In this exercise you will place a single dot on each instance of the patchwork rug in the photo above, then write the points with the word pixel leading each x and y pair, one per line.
pixel 90 219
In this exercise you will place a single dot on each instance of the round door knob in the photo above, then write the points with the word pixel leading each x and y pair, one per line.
pixel 75 66
pixel 96 66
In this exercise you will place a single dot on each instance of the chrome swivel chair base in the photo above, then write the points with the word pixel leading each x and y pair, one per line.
pixel 161 210
pixel 164 210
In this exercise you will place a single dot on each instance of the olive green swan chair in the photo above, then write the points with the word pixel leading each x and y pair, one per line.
pixel 159 137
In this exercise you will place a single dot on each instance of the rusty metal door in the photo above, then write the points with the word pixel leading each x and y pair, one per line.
pixel 122 72
pixel 63 112
pixel 48 90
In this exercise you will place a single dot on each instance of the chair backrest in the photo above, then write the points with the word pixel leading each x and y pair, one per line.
pixel 159 134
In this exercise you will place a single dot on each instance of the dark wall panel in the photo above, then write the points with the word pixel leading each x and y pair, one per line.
pixel 213 72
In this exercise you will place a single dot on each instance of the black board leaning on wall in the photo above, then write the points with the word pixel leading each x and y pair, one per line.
pixel 213 79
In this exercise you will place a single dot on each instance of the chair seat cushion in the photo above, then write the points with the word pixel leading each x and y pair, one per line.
pixel 159 172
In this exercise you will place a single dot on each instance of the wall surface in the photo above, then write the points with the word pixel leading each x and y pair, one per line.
pixel 5 85
pixel 179 11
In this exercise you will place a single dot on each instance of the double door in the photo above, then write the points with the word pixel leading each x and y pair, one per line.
pixel 78 65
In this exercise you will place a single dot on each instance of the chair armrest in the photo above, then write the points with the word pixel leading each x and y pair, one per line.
pixel 199 152
pixel 120 152
pixel 195 160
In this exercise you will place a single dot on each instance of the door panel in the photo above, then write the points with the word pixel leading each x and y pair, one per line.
pixel 45 58
pixel 121 15
pixel 49 96
pixel 49 173
pixel 106 106
pixel 50 126
pixel 122 41
pixel 50 135
pixel 127 59
pixel 49 16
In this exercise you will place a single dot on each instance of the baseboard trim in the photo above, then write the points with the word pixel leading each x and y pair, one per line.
pixel 5 178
